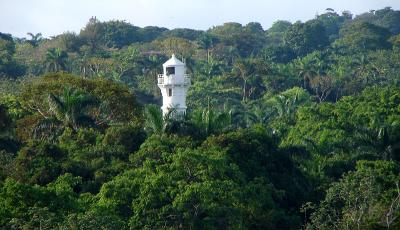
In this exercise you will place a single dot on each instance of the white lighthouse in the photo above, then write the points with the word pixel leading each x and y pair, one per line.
pixel 174 83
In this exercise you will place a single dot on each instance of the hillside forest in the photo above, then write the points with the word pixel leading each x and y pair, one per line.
pixel 292 127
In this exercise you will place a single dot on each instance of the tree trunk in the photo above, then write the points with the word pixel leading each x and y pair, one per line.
pixel 244 89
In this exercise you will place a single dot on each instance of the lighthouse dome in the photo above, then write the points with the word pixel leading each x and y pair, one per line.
pixel 174 67
pixel 173 61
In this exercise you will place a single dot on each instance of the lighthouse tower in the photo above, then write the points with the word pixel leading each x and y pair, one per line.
pixel 174 83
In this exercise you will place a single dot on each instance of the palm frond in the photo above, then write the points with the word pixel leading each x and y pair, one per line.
pixel 56 106
pixel 154 122
pixel 48 128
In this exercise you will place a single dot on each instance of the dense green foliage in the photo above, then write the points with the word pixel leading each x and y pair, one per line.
pixel 293 127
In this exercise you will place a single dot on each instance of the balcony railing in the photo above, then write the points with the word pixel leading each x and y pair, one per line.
pixel 171 80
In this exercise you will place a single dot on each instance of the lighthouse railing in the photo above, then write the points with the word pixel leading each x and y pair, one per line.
pixel 172 80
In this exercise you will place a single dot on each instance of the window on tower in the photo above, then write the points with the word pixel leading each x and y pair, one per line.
pixel 170 70
pixel 169 92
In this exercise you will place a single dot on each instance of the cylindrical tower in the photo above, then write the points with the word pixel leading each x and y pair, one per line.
pixel 174 83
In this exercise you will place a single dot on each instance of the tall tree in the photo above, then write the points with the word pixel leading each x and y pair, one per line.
pixel 304 38
pixel 68 110
pixel 367 198
pixel 210 121
pixel 93 34
pixel 35 39
pixel 9 67
pixel 386 17
pixel 56 60
pixel 207 42
pixel 120 33
pixel 361 36
pixel 245 70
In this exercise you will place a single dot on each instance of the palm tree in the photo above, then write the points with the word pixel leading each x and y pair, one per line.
pixel 154 122
pixel 210 121
pixel 69 110
pixel 285 104
pixel 35 39
pixel 377 140
pixel 361 63
pixel 307 72
pixel 56 59
pixel 210 68
pixel 247 115
pixel 365 70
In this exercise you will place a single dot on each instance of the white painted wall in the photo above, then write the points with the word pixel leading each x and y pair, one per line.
pixel 179 83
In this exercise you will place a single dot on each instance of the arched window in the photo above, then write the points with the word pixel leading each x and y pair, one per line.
pixel 169 92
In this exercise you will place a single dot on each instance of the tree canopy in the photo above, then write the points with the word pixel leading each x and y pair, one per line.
pixel 296 126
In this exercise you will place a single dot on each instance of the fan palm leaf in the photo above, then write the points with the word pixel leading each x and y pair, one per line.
pixel 68 110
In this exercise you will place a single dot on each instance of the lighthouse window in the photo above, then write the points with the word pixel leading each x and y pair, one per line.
pixel 170 70
pixel 169 92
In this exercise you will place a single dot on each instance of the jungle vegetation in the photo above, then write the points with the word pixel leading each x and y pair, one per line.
pixel 292 127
